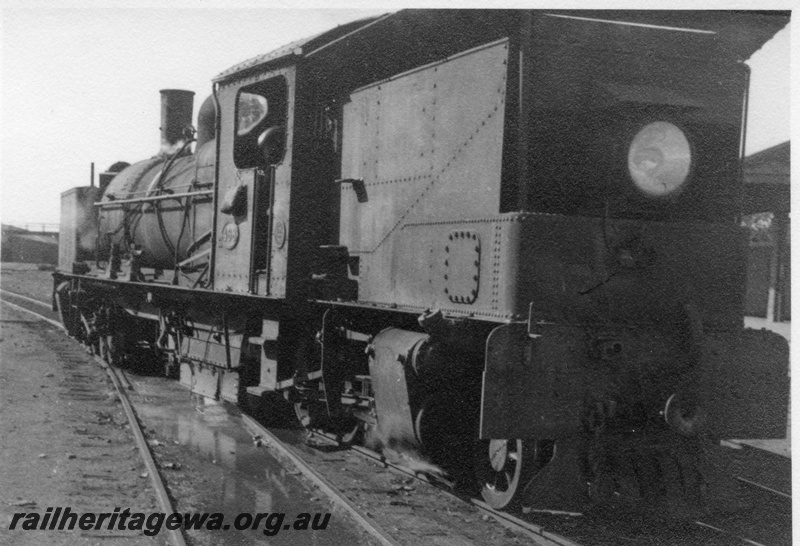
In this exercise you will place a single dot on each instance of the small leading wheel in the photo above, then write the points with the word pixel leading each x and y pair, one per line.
pixel 505 467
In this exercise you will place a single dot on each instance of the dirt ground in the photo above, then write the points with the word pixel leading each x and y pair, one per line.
pixel 28 280
pixel 65 438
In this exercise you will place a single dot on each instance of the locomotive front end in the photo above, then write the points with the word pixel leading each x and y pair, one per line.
pixel 628 264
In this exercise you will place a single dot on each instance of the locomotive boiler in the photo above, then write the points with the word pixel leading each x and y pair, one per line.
pixel 512 251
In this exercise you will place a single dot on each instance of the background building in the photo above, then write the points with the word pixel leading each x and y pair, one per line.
pixel 766 205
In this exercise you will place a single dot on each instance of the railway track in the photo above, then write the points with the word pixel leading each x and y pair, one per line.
pixel 538 534
pixel 726 532
pixel 42 311
pixel 176 535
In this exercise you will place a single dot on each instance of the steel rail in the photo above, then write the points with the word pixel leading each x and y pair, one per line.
pixel 38 316
pixel 32 300
pixel 729 534
pixel 764 488
pixel 532 531
pixel 155 478
pixel 535 532
pixel 370 525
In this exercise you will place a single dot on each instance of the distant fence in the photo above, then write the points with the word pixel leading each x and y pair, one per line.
pixel 36 228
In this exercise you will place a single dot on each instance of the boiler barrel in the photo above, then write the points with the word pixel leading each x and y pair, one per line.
pixel 162 229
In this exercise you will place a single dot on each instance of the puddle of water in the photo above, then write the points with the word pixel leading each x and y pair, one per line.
pixel 239 477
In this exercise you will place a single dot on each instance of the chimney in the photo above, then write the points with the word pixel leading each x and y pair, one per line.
pixel 176 115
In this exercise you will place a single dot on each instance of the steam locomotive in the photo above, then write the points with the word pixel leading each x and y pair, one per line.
pixel 505 242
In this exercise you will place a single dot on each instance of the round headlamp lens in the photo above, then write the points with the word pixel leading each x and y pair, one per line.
pixel 659 159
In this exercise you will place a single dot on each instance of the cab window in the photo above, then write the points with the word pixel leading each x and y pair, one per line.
pixel 260 133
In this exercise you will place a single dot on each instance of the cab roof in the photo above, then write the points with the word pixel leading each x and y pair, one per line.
pixel 297 48
pixel 734 35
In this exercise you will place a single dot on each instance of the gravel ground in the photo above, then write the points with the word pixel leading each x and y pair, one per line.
pixel 65 438
pixel 26 279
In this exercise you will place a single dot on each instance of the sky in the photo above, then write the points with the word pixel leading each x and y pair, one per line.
pixel 81 84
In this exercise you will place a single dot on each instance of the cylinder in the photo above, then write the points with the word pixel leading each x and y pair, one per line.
pixel 176 115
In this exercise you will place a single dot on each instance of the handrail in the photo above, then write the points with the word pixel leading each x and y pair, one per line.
pixel 195 257
pixel 153 198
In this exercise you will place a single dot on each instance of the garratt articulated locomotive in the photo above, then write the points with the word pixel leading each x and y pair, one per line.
pixel 508 233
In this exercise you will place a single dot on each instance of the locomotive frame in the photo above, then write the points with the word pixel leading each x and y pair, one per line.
pixel 476 245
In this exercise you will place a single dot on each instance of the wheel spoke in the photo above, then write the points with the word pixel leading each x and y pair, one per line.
pixel 504 480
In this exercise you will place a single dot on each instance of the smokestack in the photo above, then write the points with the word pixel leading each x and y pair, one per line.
pixel 176 115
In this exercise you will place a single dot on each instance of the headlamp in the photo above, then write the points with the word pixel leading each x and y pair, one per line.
pixel 659 159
